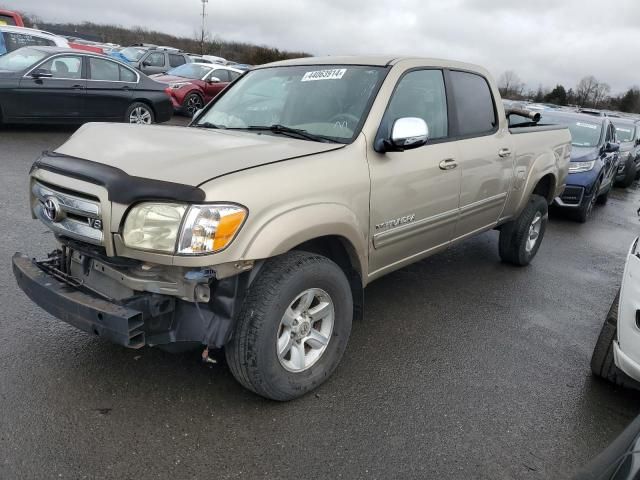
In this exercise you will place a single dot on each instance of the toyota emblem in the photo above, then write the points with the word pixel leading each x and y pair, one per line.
pixel 52 210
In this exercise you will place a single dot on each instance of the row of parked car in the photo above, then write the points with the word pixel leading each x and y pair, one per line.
pixel 605 153
pixel 46 78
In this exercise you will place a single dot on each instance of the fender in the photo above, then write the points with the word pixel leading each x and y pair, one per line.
pixel 301 224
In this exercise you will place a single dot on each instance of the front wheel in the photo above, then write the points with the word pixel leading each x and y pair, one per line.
pixel 293 326
pixel 520 239
pixel 139 113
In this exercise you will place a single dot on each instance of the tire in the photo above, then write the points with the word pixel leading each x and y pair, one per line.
pixel 516 245
pixel 602 361
pixel 583 212
pixel 252 352
pixel 192 103
pixel 139 113
pixel 630 174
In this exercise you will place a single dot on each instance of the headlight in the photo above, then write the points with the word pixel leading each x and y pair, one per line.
pixel 577 167
pixel 178 85
pixel 205 229
pixel 210 228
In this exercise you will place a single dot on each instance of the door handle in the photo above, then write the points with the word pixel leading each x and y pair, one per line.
pixel 77 87
pixel 504 152
pixel 448 164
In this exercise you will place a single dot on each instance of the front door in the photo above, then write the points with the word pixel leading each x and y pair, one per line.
pixel 60 97
pixel 212 87
pixel 415 193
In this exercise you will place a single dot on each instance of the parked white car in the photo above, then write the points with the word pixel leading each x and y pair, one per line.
pixel 616 356
pixel 13 38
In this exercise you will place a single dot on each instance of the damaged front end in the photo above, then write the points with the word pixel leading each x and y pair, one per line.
pixel 146 304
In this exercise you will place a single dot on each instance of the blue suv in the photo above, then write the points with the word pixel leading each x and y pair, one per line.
pixel 594 161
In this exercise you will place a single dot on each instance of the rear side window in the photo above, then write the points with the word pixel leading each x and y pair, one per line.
pixel 176 60
pixel 7 20
pixel 127 75
pixel 473 104
pixel 14 41
pixel 421 94
pixel 104 69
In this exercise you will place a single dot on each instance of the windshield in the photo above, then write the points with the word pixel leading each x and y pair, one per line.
pixel 584 133
pixel 133 54
pixel 190 70
pixel 21 59
pixel 624 132
pixel 327 100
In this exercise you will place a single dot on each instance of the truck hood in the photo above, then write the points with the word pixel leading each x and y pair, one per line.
pixel 190 156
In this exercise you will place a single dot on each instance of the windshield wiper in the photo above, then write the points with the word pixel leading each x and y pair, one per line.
pixel 288 131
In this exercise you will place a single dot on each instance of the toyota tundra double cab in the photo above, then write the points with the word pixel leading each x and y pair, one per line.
pixel 256 228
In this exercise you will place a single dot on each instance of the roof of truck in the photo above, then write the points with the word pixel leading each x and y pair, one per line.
pixel 375 60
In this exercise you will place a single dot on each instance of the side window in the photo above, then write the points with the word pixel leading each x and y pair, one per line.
pixel 101 69
pixel 473 104
pixel 233 75
pixel 127 75
pixel 176 60
pixel 155 59
pixel 64 67
pixel 223 75
pixel 420 94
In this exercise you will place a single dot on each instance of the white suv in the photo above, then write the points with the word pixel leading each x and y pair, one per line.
pixel 13 38
pixel 617 354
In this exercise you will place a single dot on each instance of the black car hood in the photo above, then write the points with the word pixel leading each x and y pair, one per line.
pixel 584 154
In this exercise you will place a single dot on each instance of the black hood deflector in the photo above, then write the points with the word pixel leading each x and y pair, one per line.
pixel 121 187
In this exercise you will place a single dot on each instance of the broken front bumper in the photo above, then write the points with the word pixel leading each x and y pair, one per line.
pixel 144 319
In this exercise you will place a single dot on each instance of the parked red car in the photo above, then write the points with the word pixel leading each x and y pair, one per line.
pixel 193 85
pixel 8 17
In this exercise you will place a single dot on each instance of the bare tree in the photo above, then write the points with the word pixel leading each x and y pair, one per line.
pixel 510 84
pixel 601 94
pixel 586 90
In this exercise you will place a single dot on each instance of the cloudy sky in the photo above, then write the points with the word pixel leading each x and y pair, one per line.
pixel 544 41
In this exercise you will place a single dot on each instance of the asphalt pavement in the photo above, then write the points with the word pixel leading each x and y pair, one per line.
pixel 462 368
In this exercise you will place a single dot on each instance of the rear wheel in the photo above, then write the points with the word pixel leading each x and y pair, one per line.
pixel 293 327
pixel 191 104
pixel 630 174
pixel 140 113
pixel 520 239
pixel 602 361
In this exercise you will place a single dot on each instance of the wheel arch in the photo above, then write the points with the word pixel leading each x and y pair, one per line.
pixel 546 187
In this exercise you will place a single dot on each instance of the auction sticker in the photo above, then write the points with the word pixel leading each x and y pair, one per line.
pixel 587 125
pixel 334 74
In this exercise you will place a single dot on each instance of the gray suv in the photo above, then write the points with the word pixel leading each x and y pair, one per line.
pixel 160 60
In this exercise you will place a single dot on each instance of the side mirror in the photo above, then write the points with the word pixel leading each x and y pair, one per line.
pixel 146 63
pixel 213 80
pixel 408 133
pixel 41 73
pixel 611 147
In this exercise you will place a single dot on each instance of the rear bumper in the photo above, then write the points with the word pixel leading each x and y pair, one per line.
pixel 119 324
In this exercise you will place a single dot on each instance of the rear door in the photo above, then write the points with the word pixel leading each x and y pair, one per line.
pixel 213 88
pixel 485 158
pixel 60 97
pixel 109 89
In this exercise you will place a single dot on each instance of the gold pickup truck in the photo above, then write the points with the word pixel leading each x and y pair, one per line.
pixel 257 227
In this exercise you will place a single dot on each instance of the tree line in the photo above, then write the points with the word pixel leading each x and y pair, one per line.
pixel 588 93
pixel 237 51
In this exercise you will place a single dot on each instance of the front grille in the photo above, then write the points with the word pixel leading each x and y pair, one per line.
pixel 572 195
pixel 69 213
